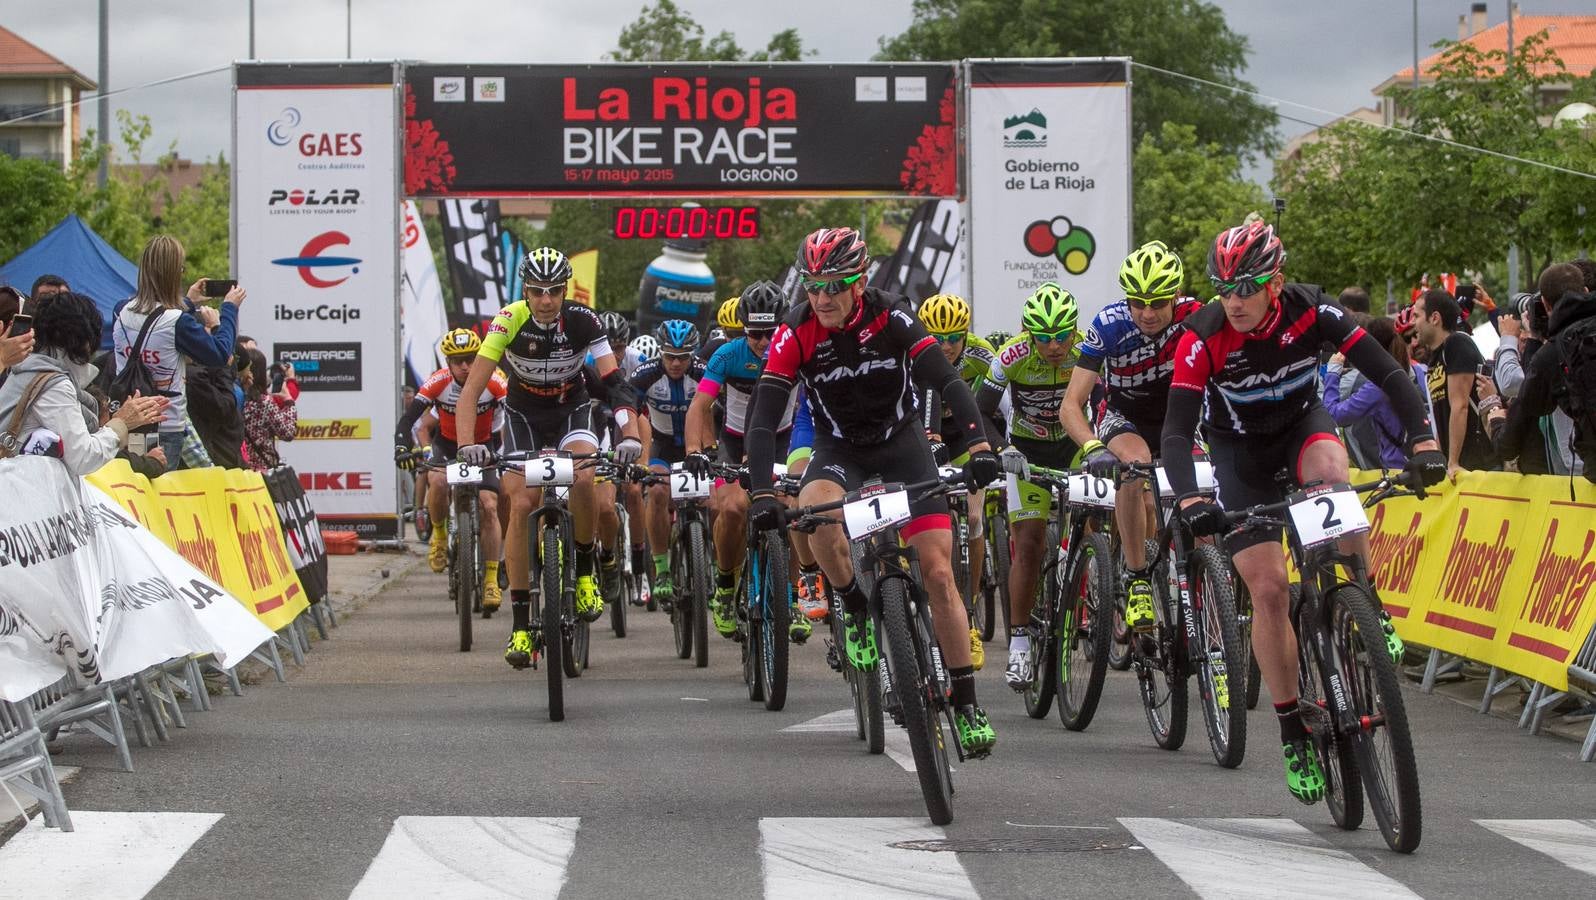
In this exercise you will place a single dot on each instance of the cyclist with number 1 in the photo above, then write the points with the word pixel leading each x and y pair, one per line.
pixel 441 392
pixel 1248 366
pixel 862 356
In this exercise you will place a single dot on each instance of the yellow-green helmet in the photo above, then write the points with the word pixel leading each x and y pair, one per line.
pixel 1051 310
pixel 1151 272
pixel 460 342
pixel 726 316
pixel 945 314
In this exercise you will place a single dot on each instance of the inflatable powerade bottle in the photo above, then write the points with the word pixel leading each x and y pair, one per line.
pixel 678 284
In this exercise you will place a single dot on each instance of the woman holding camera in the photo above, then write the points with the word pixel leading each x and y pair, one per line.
pixel 268 417
pixel 177 336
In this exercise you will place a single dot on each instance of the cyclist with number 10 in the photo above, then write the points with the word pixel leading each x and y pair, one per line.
pixel 1254 357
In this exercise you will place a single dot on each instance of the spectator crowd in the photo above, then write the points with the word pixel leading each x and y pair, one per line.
pixel 178 388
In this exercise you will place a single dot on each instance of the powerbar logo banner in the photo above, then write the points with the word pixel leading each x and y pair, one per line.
pixel 329 282
pixel 1049 183
pixel 696 129
pixel 85 588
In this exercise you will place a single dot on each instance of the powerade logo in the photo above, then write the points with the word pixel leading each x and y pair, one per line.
pixel 281 130
pixel 323 367
pixel 310 260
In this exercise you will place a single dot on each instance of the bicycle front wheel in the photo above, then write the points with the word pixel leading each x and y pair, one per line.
pixel 698 582
pixel 914 683
pixel 1383 743
pixel 681 611
pixel 623 542
pixel 999 559
pixel 1217 655
pixel 468 578
pixel 551 568
pixel 1085 635
pixel 1159 676
pixel 775 600
pixel 1344 786
pixel 1045 619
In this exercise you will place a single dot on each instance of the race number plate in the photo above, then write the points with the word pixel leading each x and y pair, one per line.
pixel 865 514
pixel 687 486
pixel 1089 490
pixel 464 473
pixel 1205 479
pixel 554 468
pixel 1324 514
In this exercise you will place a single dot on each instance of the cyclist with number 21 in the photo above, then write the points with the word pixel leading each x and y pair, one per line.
pixel 1254 355
pixel 860 353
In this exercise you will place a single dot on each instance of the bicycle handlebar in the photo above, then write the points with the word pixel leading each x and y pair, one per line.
pixel 808 518
pixel 1386 486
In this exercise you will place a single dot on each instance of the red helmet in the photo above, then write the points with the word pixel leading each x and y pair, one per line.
pixel 1245 253
pixel 1405 318
pixel 833 251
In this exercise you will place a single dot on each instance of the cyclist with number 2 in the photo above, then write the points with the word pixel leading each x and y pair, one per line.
pixel 543 339
pixel 1254 357
pixel 860 354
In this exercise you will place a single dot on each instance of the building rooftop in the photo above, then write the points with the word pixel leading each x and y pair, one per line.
pixel 1573 38
pixel 20 59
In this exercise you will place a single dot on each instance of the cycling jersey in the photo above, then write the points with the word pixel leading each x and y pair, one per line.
pixel 735 367
pixel 545 363
pixel 1135 368
pixel 860 378
pixel 667 399
pixel 1037 387
pixel 1263 383
pixel 441 391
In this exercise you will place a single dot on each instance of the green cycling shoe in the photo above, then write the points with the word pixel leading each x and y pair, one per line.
pixel 664 590
pixel 799 630
pixel 1393 641
pixel 518 652
pixel 721 611
pixel 976 736
pixel 859 639
pixel 1304 778
pixel 589 605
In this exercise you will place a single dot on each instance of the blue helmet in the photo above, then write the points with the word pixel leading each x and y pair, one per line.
pixel 678 335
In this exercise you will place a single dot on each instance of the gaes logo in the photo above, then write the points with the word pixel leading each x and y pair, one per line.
pixel 281 130
pixel 310 259
pixel 1029 130
pixel 1074 246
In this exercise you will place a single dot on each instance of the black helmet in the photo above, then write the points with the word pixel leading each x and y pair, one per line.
pixel 762 305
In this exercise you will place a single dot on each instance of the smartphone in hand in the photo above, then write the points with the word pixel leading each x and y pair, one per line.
pixel 21 324
pixel 217 288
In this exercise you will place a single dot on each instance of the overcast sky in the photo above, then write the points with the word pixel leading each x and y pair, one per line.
pixel 1326 55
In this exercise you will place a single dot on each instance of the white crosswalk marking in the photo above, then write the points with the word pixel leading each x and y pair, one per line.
pixel 1571 842
pixel 842 721
pixel 110 855
pixel 1244 858
pixel 854 858
pixel 466 858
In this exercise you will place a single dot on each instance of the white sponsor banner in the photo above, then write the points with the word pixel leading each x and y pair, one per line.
pixel 85 588
pixel 316 241
pixel 422 318
pixel 1049 183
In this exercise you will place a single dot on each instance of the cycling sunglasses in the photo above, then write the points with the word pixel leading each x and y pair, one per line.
pixel 1244 288
pixel 1044 339
pixel 950 338
pixel 1139 303
pixel 759 334
pixel 532 290
pixel 832 287
pixel 680 355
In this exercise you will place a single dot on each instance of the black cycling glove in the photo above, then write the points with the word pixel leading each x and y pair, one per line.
pixel 1205 517
pixel 981 469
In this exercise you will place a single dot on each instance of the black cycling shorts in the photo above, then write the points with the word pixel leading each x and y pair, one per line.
pixel 555 428
pixel 904 457
pixel 663 450
pixel 445 450
pixel 1246 466
pixel 1111 423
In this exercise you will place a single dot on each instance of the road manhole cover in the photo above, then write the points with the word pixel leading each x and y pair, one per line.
pixel 1016 845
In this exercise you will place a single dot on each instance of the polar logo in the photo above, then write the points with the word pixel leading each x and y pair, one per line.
pixel 310 259
pixel 281 130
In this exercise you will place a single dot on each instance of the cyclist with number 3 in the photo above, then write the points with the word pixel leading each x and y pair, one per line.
pixel 1130 347
pixel 860 354
pixel 1254 357
pixel 542 340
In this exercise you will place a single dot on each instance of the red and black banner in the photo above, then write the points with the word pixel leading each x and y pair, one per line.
pixel 671 129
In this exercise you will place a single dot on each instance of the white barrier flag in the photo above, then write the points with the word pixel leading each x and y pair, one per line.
pixel 422 318
pixel 84 587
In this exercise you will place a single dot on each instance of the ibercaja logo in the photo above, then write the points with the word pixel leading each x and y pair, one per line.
pixel 1073 245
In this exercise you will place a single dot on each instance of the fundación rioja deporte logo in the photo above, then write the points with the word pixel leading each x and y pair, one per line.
pixel 1073 245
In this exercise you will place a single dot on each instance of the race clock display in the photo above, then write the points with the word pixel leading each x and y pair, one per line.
pixel 690 222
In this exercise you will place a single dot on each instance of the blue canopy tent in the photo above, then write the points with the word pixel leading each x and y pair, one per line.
pixel 90 265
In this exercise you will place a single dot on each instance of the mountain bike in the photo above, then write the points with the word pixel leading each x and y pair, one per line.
pixel 627 590
pixel 691 570
pixel 765 605
pixel 466 566
pixel 913 669
pixel 1348 686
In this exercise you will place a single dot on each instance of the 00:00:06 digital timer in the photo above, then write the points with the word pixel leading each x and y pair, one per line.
pixel 692 222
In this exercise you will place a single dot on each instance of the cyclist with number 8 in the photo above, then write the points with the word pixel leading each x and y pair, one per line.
pixel 1253 357
pixel 860 354
pixel 1130 348
pixel 542 339
pixel 442 392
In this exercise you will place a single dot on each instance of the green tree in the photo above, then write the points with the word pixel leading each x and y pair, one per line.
pixel 37 196
pixel 200 216
pixel 1186 36
pixel 1186 192
pixel 665 32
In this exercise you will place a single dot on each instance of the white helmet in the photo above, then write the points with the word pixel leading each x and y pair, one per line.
pixel 646 345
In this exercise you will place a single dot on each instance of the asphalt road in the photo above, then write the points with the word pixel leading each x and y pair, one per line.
pixel 664 781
